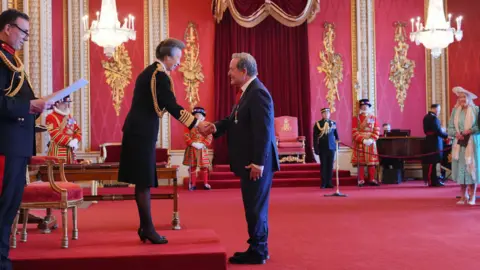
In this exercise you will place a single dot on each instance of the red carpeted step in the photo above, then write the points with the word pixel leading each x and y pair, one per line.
pixel 277 182
pixel 283 167
pixel 121 250
pixel 281 174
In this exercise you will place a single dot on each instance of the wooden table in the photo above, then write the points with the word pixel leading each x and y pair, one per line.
pixel 108 172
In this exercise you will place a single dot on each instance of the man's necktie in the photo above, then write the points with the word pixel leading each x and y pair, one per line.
pixel 238 96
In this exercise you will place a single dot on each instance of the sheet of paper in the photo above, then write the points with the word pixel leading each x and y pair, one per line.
pixel 67 91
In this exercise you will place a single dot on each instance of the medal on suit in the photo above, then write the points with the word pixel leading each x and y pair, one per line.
pixel 236 115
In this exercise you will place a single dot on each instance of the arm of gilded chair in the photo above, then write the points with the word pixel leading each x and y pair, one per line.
pixel 51 178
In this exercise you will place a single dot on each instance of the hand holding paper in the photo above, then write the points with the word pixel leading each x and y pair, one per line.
pixel 66 92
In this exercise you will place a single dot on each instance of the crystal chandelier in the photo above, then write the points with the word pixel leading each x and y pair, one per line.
pixel 438 33
pixel 106 31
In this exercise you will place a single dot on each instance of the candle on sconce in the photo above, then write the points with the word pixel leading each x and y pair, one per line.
pixel 412 20
pixel 133 22
pixel 125 23
pixel 459 23
pixel 98 16
pixel 418 24
pixel 449 20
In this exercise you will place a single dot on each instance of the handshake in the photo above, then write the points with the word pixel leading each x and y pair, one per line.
pixel 206 128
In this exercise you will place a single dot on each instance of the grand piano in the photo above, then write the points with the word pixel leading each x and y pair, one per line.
pixel 398 143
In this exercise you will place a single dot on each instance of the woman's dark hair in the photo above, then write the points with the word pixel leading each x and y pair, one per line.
pixel 166 47
pixel 9 16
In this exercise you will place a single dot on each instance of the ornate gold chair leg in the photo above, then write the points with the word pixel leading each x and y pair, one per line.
pixel 75 224
pixel 13 239
pixel 303 157
pixel 64 228
pixel 23 236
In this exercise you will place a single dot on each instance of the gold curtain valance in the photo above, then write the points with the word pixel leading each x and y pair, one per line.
pixel 268 8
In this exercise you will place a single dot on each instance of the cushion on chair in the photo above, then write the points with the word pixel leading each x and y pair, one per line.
pixel 40 160
pixel 113 153
pixel 43 192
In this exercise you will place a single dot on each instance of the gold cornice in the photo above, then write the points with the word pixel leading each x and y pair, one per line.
pixel 354 38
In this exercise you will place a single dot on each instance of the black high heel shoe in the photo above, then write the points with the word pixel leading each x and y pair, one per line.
pixel 154 237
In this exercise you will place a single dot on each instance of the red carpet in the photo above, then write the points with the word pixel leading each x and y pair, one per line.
pixel 291 175
pixel 392 227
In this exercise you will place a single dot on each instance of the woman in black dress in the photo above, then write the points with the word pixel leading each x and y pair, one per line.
pixel 152 97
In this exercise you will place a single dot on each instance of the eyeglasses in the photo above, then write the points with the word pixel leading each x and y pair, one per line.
pixel 23 31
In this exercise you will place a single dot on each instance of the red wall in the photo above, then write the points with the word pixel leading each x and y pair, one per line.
pixel 106 126
pixel 180 14
pixel 338 12
pixel 464 56
pixel 58 69
pixel 388 110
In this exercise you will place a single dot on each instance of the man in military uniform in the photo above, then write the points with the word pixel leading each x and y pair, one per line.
pixel 365 133
pixel 433 144
pixel 153 96
pixel 18 110
pixel 325 136
pixel 65 134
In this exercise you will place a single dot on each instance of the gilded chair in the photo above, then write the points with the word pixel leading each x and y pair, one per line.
pixel 291 147
pixel 61 195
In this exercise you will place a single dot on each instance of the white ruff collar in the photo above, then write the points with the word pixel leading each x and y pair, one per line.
pixel 57 110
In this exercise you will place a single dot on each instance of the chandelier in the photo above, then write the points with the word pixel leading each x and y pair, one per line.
pixel 106 31
pixel 438 33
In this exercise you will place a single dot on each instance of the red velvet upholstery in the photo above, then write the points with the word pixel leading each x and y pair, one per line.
pixel 43 192
pixel 288 142
pixel 40 160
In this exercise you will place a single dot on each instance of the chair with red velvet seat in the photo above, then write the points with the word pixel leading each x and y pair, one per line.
pixel 291 147
pixel 54 195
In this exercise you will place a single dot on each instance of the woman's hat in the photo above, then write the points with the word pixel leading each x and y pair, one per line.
pixel 458 89
pixel 199 110
pixel 364 102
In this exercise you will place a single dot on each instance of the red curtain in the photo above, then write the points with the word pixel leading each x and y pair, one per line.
pixel 283 66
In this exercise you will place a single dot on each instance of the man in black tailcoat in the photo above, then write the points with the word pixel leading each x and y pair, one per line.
pixel 18 110
pixel 252 152
pixel 433 144
pixel 325 138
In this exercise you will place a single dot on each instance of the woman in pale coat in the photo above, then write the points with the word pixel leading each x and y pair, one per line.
pixel 462 124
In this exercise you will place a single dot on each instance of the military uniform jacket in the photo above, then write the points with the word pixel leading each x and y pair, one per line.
pixel 434 138
pixel 62 130
pixel 17 125
pixel 152 97
pixel 325 135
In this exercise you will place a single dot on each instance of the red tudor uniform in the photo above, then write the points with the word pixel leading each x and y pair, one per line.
pixel 196 154
pixel 365 133
pixel 64 133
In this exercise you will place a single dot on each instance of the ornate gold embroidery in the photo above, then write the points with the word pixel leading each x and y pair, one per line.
pixel 153 86
pixel 286 125
pixel 20 69
pixel 186 118
pixel 325 130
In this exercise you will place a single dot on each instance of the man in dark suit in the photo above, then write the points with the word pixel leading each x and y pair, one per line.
pixel 325 139
pixel 252 152
pixel 18 110
pixel 152 97
pixel 433 144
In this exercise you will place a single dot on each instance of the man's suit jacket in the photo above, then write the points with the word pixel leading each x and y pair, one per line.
pixel 17 125
pixel 434 138
pixel 252 138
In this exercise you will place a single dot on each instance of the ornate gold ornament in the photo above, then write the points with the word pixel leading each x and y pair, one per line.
pixel 401 68
pixel 191 67
pixel 286 125
pixel 118 70
pixel 331 65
